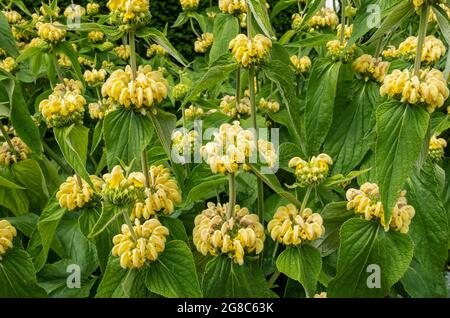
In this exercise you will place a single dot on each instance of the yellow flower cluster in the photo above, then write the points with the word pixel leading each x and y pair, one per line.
pixel 7 233
pixel 312 172
pixel 162 195
pixel 231 147
pixel 129 11
pixel 193 112
pixel 35 42
pixel 2 52
pixel 95 76
pixel 73 195
pixel 289 226
pixel 241 234
pixel 436 148
pixel 325 17
pixel 250 52
pixel 123 51
pixel 74 11
pixel 429 88
pixel 9 156
pixel 267 152
pixel 179 91
pixel 235 7
pixel 272 106
pixel 92 8
pixel 189 4
pixel 297 20
pixel 229 107
pixel 98 110
pixel 86 62
pixel 183 142
pixel 369 67
pixel 321 295
pixel 433 49
pixel 50 13
pixel 155 49
pixel 150 242
pixel 120 189
pixel 336 50
pixel 96 36
pixel 366 201
pixel 204 42
pixel 347 33
pixel 9 64
pixel 64 60
pixel 445 7
pixel 12 16
pixel 300 65
pixel 145 90
pixel 65 105
pixel 51 32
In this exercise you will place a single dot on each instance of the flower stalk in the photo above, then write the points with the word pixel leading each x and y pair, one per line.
pixel 8 140
pixel 232 194
pixel 424 13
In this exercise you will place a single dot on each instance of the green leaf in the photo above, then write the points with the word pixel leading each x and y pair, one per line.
pixel 353 130
pixel 259 13
pixel 9 184
pixel 302 264
pixel 122 283
pixel 280 6
pixel 126 135
pixel 212 77
pixel 338 179
pixel 443 22
pixel 164 124
pixel 226 27
pixel 173 273
pixel 202 184
pixel 429 232
pixel 22 122
pixel 65 47
pixel 44 234
pixel 7 41
pixel 25 223
pixel 29 53
pixel 320 103
pixel 225 279
pixel 159 38
pixel 315 40
pixel 401 130
pixel 109 213
pixel 15 200
pixel 17 275
pixel 30 175
pixel 73 142
pixel 176 228
pixel 334 214
pixel 365 243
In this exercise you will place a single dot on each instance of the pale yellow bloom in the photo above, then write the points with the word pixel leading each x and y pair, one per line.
pixel 189 4
pixel 300 65
pixel 150 242
pixel 53 14
pixel 9 156
pixel 250 52
pixel 35 42
pixel 369 67
pixel 347 33
pixel 51 32
pixel 235 7
pixel 120 189
pixel 129 11
pixel 391 53
pixel 312 172
pixel 297 20
pixel 95 76
pixel 193 112
pixel 204 42
pixel 96 36
pixel 72 195
pixel 436 148
pixel 92 8
pixel 289 226
pixel 99 109
pixel 429 88
pixel 145 90
pixel 433 49
pixel 12 16
pixel 9 64
pixel 65 105
pixel 123 52
pixel 237 236
pixel 179 91
pixel 74 11
pixel 366 201
pixel 325 17
pixel 272 106
pixel 336 50
pixel 229 107
pixel 7 233
pixel 155 49
pixel 321 295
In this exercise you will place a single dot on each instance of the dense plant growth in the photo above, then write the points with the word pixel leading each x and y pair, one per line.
pixel 310 163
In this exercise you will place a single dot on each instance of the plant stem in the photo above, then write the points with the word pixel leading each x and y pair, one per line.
pixel 238 85
pixel 421 37
pixel 306 198
pixel 232 194
pixel 274 277
pixel 144 160
pixel 379 48
pixel 130 225
pixel 53 156
pixel 193 28
pixel 133 52
pixel 8 140
pixel 79 181
pixel 251 87
pixel 57 67
pixel 343 5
